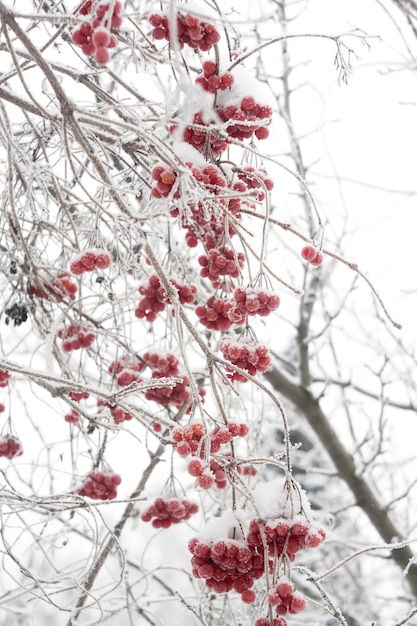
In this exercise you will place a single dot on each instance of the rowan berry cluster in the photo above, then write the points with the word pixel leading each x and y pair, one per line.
pixel 246 470
pixel 255 301
pixel 75 337
pixel 215 314
pixel 59 288
pixel 190 440
pixel 167 512
pixel 118 414
pixel 247 354
pixel 163 364
pixel 249 119
pixel 208 217
pixel 100 485
pixel 211 81
pixel 225 564
pixel 89 261
pixel 165 180
pixel 76 396
pixel 126 370
pixel 186 292
pixel 200 135
pixel 2 407
pixel 256 178
pixel 174 395
pixel 277 621
pixel 4 378
pixel 219 262
pixel 10 447
pixel 155 297
pixel 95 37
pixel 73 417
pixel 312 255
pixel 189 30
pixel 153 300
pixel 289 535
pixel 285 599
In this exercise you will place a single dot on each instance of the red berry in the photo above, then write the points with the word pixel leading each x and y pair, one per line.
pixel 102 56
pixel 262 133
pixel 317 260
pixel 196 467
pixel 308 253
pixel 102 261
pixel 206 480
pixel 101 37
pixel 88 48
pixel 248 596
pixel 88 260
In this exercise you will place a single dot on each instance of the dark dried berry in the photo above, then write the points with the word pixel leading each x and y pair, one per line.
pixel 18 313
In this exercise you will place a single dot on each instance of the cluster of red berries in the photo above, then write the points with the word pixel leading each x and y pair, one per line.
pixel 219 262
pixel 285 535
pixel 165 180
pixel 208 216
pixel 277 621
pixel 163 364
pixel 2 407
pixel 285 599
pixel 211 81
pixel 186 292
pixel 246 470
pixel 10 447
pixel 248 119
pixel 100 485
pixel 215 314
pixel 76 396
pixel 200 135
pixel 155 297
pixel 4 378
pixel 255 301
pixel 153 300
pixel 256 178
pixel 75 337
pixel 312 255
pixel 59 288
pixel 89 261
pixel 95 37
pixel 226 564
pixel 188 440
pixel 247 354
pixel 198 35
pixel 205 476
pixel 118 414
pixel 167 512
pixel 126 370
pixel 174 395
pixel 73 417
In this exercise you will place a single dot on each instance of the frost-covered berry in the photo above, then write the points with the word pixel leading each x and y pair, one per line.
pixel 247 354
pixel 75 337
pixel 164 512
pixel 10 447
pixel 312 255
pixel 100 485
